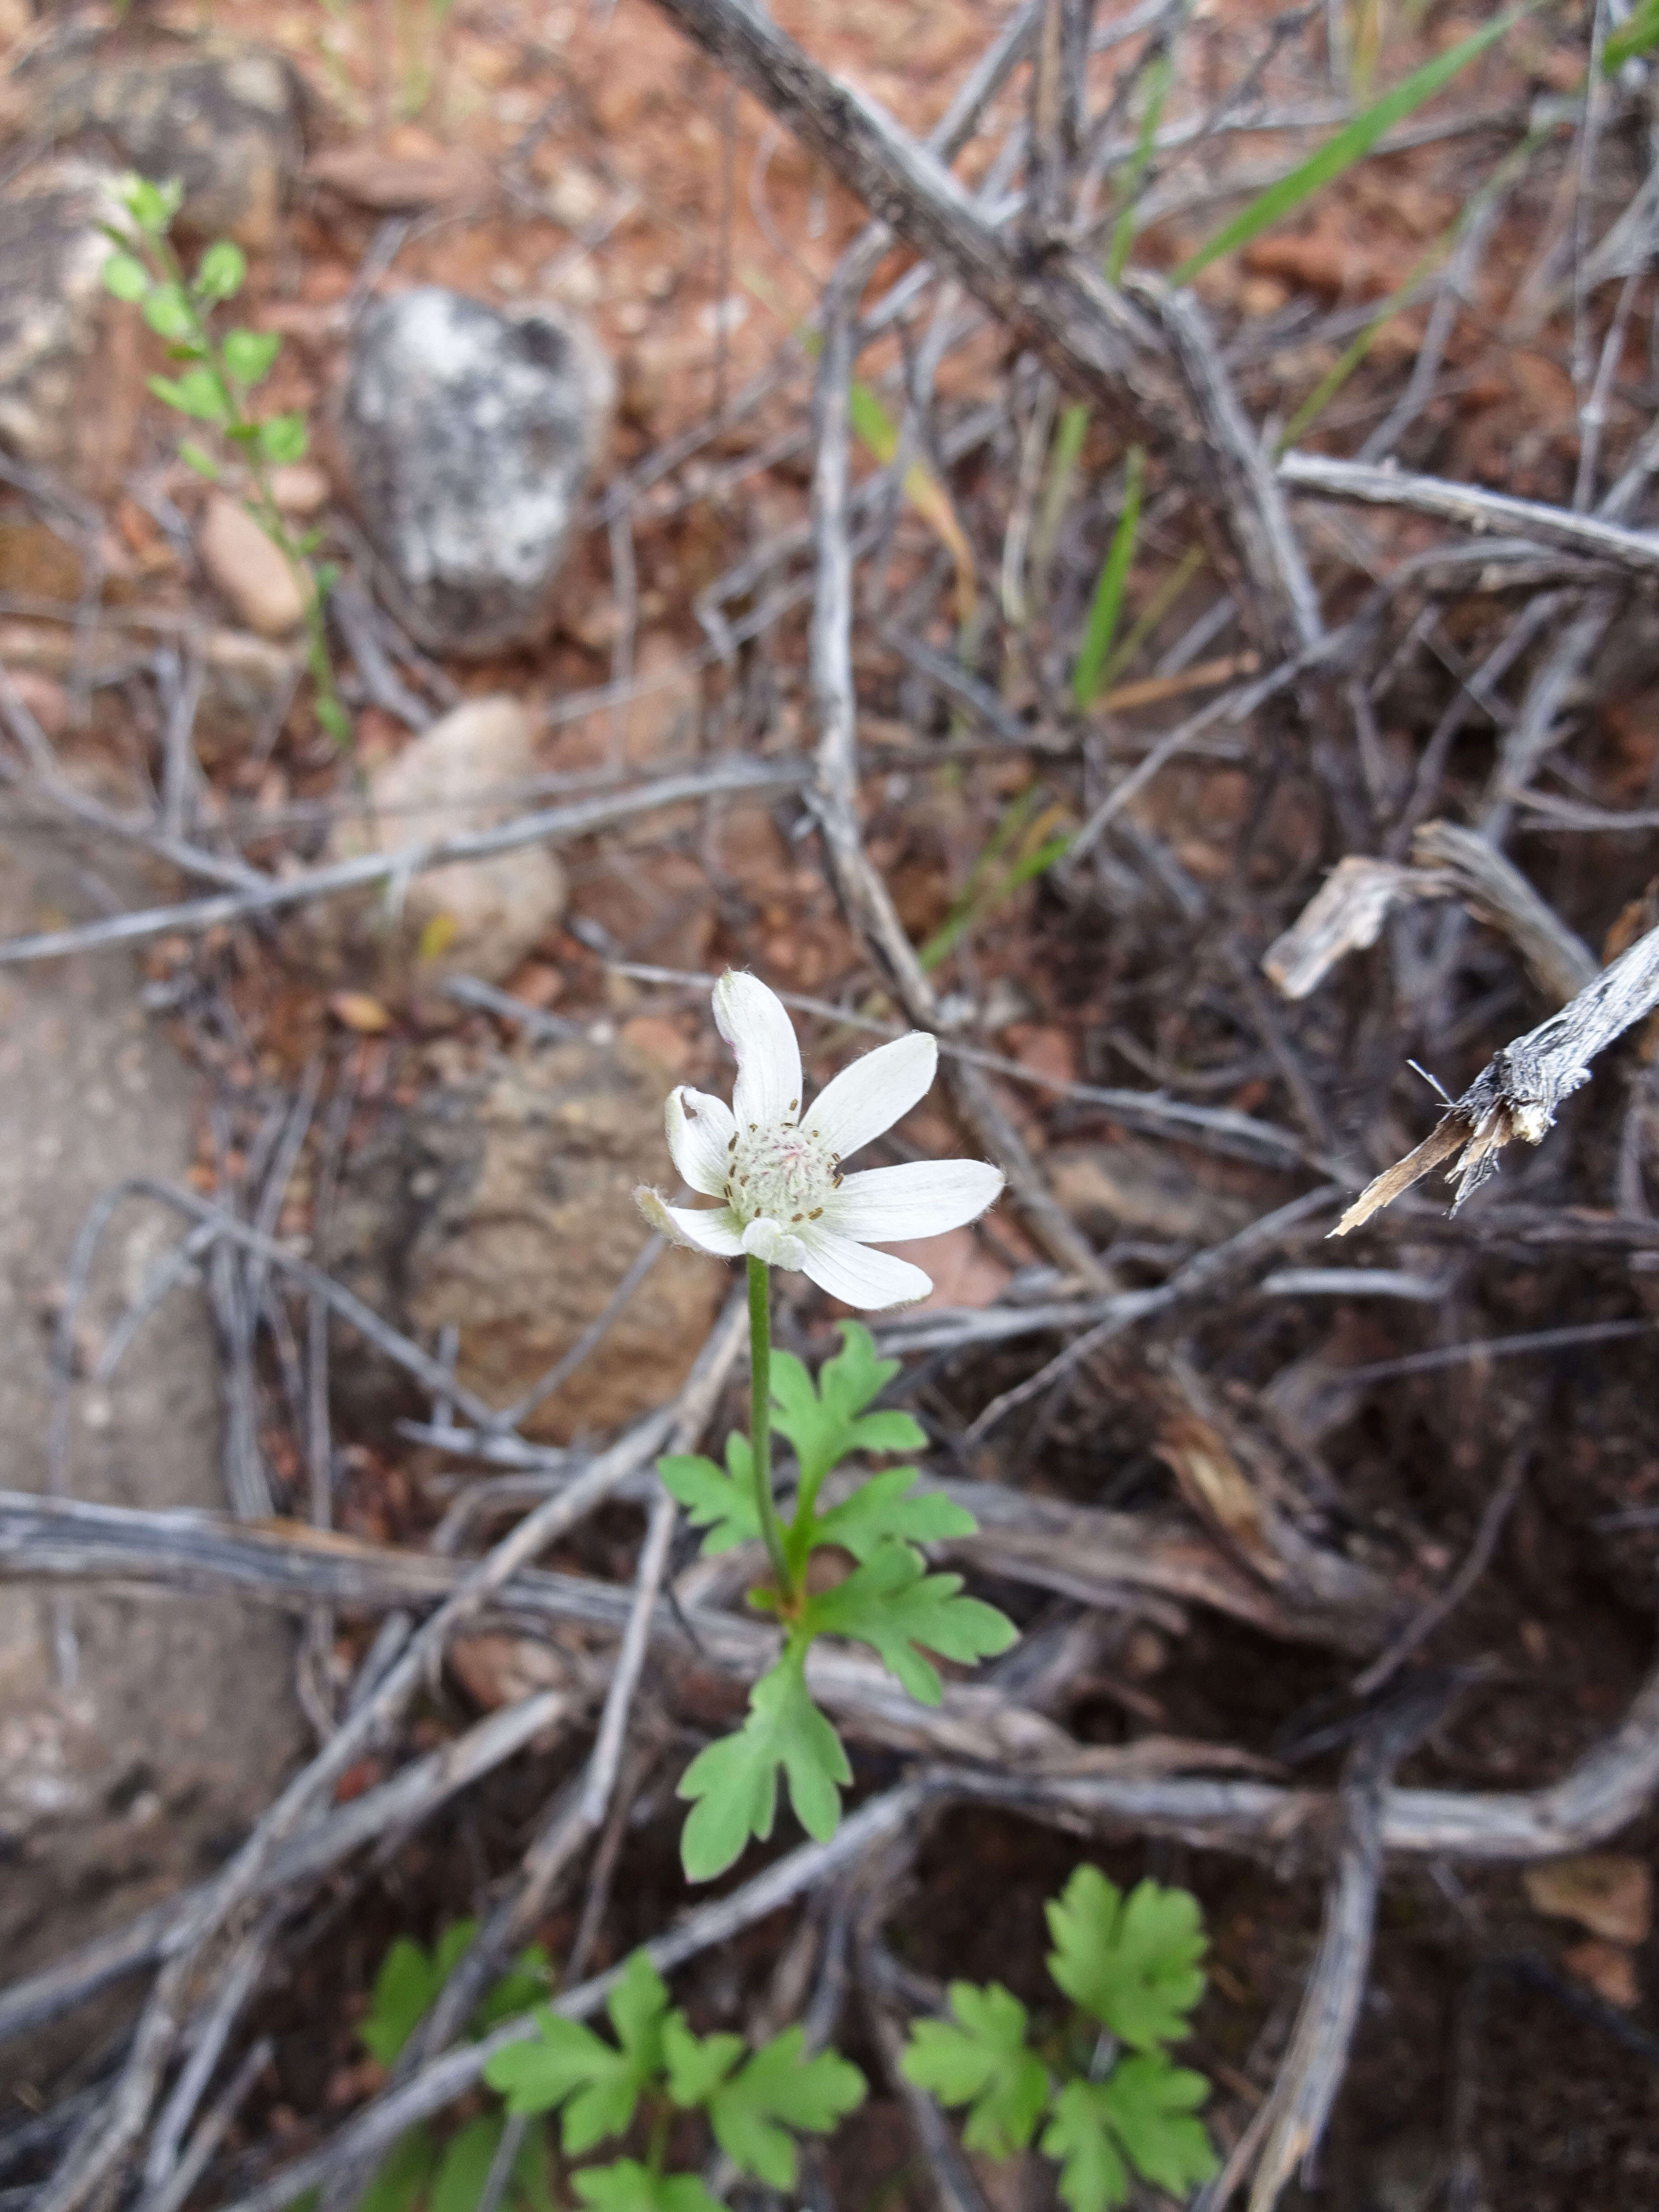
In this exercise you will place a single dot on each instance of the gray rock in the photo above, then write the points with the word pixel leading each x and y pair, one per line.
pixel 52 293
pixel 134 1776
pixel 225 119
pixel 469 435
pixel 476 918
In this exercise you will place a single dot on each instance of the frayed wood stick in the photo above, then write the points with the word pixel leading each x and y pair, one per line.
pixel 1516 1093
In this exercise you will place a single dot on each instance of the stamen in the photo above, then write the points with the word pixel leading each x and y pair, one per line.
pixel 732 1146
pixel 813 1215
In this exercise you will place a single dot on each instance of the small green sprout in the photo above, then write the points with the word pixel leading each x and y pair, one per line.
pixel 218 375
pixel 1131 1965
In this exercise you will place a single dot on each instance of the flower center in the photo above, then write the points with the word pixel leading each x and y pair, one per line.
pixel 781 1174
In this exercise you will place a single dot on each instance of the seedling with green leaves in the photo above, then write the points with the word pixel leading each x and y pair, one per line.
pixel 756 2101
pixel 419 2169
pixel 1115 2105
pixel 889 1601
pixel 218 373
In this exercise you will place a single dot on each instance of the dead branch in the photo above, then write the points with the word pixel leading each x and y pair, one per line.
pixel 1347 912
pixel 1516 1093
pixel 1474 507
pixel 552 826
pixel 1314 2066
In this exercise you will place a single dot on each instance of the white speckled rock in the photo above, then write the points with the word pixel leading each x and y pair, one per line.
pixel 469 435
pixel 52 293
pixel 223 117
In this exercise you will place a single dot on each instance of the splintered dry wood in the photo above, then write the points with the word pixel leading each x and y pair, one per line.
pixel 891 404
pixel 1516 1093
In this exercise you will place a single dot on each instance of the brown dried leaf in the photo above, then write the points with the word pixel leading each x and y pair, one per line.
pixel 1609 1971
pixel 1607 1891
pixel 1216 1486
pixel 1345 914
pixel 357 1009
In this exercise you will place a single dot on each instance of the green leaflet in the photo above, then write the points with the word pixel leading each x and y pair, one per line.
pixel 982 2061
pixel 1133 1962
pixel 892 1603
pixel 881 1511
pixel 1143 2109
pixel 734 1782
pixel 827 1424
pixel 1093 2175
pixel 597 2084
pixel 780 2089
pixel 628 2186
pixel 722 1501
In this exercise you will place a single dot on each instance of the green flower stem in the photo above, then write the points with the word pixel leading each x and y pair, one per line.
pixel 760 1425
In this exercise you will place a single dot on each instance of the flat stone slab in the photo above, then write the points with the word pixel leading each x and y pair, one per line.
pixel 134 1769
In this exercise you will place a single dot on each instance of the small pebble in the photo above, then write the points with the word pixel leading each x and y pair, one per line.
pixel 254 575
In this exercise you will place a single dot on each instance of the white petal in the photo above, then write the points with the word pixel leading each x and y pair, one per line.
pixel 870 1096
pixel 923 1198
pixel 753 1022
pixel 700 1133
pixel 713 1228
pixel 858 1276
pixel 769 1241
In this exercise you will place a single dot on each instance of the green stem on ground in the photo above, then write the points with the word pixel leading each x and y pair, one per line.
pixel 760 1427
pixel 658 2151
pixel 266 513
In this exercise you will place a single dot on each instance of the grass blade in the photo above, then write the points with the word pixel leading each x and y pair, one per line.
pixel 1350 145
pixel 1108 602
pixel 1631 39
pixel 1158 78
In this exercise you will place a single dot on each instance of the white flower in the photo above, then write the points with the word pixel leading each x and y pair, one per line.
pixel 778 1171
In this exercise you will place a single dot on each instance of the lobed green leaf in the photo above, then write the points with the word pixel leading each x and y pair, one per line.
pixel 598 2083
pixel 696 2064
pixel 1092 2176
pixel 1132 1962
pixel 733 1784
pixel 723 1503
pixel 628 2186
pixel 982 2061
pixel 881 1511
pixel 1149 2105
pixel 893 1604
pixel 827 1423
pixel 780 2089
